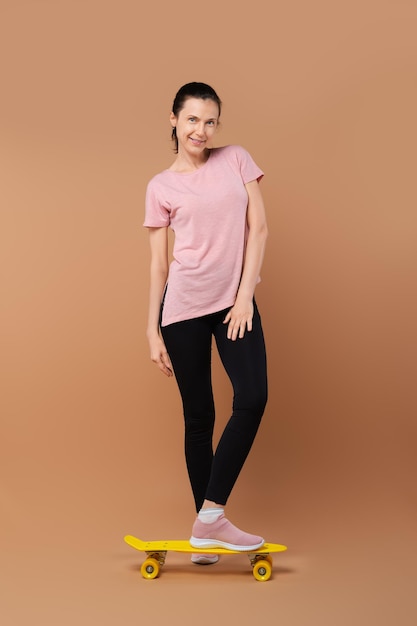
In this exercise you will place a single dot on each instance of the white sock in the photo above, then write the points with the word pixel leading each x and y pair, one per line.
pixel 209 516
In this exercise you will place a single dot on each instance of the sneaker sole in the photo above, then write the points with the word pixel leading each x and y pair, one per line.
pixel 214 543
pixel 204 559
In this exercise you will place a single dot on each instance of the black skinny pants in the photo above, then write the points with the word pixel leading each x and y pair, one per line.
pixel 212 477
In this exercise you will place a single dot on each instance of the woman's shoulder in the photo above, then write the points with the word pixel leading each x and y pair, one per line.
pixel 233 152
pixel 230 149
pixel 158 179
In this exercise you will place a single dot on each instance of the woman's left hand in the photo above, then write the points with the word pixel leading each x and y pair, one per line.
pixel 239 319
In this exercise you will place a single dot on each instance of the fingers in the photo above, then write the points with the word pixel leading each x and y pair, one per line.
pixel 237 326
pixel 163 362
pixel 237 330
pixel 166 364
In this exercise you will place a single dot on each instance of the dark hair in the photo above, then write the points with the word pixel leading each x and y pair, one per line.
pixel 192 90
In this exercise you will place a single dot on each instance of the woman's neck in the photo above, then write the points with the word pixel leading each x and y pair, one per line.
pixel 186 163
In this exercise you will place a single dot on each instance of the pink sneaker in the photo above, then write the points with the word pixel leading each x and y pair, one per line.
pixel 222 534
pixel 204 559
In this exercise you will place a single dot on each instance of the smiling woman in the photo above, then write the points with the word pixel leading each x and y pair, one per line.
pixel 200 106
pixel 210 198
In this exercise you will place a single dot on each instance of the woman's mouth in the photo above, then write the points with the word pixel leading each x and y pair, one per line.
pixel 197 142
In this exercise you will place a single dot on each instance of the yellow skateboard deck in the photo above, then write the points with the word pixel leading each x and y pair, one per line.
pixel 156 551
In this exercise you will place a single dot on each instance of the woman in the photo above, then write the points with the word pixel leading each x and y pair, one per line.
pixel 211 199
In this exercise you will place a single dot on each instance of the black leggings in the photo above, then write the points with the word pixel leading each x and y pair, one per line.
pixel 189 343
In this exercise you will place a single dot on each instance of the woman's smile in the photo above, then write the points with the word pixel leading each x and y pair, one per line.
pixel 197 142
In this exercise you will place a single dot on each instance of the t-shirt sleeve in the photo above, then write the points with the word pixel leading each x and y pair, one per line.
pixel 156 215
pixel 248 168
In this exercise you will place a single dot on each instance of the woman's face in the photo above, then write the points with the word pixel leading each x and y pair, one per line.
pixel 196 124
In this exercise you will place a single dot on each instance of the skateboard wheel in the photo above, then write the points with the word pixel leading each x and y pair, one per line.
pixel 150 568
pixel 262 570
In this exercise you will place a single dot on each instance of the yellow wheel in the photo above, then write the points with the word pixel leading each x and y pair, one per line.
pixel 150 568
pixel 262 570
pixel 268 557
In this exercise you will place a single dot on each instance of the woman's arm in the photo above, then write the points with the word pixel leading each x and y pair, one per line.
pixel 158 239
pixel 240 315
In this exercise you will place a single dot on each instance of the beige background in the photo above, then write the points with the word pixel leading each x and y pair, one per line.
pixel 324 95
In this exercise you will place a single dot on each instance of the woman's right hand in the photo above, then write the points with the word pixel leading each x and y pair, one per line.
pixel 159 355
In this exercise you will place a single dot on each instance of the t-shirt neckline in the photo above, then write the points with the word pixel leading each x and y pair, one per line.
pixel 193 171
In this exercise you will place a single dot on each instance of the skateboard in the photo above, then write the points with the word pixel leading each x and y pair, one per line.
pixel 156 551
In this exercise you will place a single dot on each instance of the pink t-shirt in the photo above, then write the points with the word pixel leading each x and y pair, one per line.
pixel 206 209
